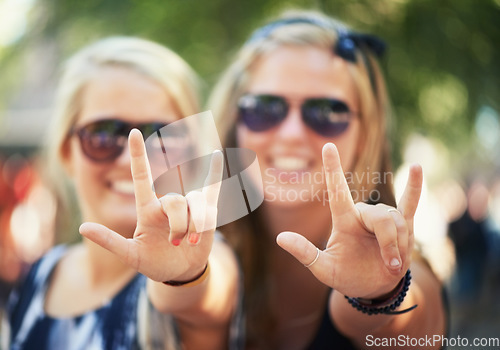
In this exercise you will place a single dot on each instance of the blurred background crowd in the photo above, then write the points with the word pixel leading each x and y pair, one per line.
pixel 443 76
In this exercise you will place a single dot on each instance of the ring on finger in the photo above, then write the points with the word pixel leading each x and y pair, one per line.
pixel 393 209
pixel 315 259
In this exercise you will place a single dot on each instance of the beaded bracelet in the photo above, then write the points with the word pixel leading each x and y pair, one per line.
pixel 387 306
pixel 192 282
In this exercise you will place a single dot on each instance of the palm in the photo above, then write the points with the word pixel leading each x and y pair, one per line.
pixel 150 251
pixel 364 239
pixel 356 265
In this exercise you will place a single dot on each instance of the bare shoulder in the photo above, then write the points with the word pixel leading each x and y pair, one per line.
pixel 424 275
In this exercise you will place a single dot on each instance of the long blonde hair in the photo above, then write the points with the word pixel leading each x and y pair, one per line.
pixel 148 58
pixel 300 28
pixel 179 81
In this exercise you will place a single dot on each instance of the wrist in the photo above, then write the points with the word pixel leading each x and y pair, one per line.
pixel 385 306
pixel 196 280
pixel 385 298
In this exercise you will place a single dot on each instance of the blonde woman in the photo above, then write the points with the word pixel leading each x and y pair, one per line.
pixel 307 95
pixel 142 277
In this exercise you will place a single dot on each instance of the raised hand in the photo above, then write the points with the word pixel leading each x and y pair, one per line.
pixel 174 234
pixel 370 246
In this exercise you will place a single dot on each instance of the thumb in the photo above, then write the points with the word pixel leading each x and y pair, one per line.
pixel 110 240
pixel 299 246
pixel 307 254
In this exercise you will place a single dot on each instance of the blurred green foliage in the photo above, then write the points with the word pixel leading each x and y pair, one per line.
pixel 441 68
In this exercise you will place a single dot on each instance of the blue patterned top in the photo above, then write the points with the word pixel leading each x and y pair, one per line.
pixel 112 326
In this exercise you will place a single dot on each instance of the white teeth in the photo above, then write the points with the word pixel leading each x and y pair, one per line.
pixel 290 163
pixel 125 187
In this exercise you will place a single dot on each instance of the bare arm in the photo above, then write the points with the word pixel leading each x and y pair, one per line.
pixel 368 253
pixel 203 312
pixel 428 319
pixel 174 240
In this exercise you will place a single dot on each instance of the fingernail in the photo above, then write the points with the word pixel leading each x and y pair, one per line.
pixel 194 238
pixel 176 242
pixel 394 262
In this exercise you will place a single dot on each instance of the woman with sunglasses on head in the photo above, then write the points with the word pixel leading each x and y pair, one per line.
pixel 143 275
pixel 306 94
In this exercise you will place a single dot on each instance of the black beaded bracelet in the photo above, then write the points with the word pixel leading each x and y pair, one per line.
pixel 387 307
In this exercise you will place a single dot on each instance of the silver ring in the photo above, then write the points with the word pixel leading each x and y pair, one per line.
pixel 315 259
pixel 393 209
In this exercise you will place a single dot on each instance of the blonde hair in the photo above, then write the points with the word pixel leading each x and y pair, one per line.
pixel 248 234
pixel 179 81
pixel 153 60
pixel 375 112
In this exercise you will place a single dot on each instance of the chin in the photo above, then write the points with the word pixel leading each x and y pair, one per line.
pixel 125 228
pixel 123 222
pixel 295 197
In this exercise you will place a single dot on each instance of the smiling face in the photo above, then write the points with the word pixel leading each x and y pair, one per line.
pixel 105 190
pixel 290 153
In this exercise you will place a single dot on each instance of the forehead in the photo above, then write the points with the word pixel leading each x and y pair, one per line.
pixel 125 94
pixel 302 71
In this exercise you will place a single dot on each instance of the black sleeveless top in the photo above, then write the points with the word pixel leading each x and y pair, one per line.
pixel 328 337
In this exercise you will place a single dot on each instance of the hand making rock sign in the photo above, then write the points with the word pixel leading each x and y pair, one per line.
pixel 106 290
pixel 174 233
pixel 370 246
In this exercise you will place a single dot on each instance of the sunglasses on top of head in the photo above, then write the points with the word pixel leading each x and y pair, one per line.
pixel 104 140
pixel 327 117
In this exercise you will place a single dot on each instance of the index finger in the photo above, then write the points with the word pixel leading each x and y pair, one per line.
pixel 141 173
pixel 409 200
pixel 339 194
pixel 214 178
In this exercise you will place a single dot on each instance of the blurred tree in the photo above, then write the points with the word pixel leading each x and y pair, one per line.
pixel 441 66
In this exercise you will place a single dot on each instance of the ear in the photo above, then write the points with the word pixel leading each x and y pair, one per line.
pixel 65 152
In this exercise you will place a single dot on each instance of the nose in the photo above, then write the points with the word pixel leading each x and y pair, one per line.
pixel 292 128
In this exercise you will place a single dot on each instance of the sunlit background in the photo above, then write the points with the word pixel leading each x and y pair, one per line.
pixel 442 71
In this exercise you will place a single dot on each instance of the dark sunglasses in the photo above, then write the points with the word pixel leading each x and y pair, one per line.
pixel 104 140
pixel 326 116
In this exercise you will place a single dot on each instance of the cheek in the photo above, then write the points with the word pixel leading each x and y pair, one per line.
pixel 85 184
pixel 240 136
pixel 349 146
pixel 85 175
pixel 251 140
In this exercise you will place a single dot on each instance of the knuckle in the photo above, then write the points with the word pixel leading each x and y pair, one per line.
pixel 389 245
pixel 193 195
pixel 383 220
pixel 362 206
pixel 177 202
pixel 173 201
pixel 401 226
pixel 140 175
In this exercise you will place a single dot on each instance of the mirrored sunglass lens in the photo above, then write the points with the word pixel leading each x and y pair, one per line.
pixel 328 117
pixel 103 140
pixel 262 112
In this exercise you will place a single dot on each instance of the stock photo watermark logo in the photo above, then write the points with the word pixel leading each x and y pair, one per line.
pixel 432 341
pixel 180 154
pixel 306 186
